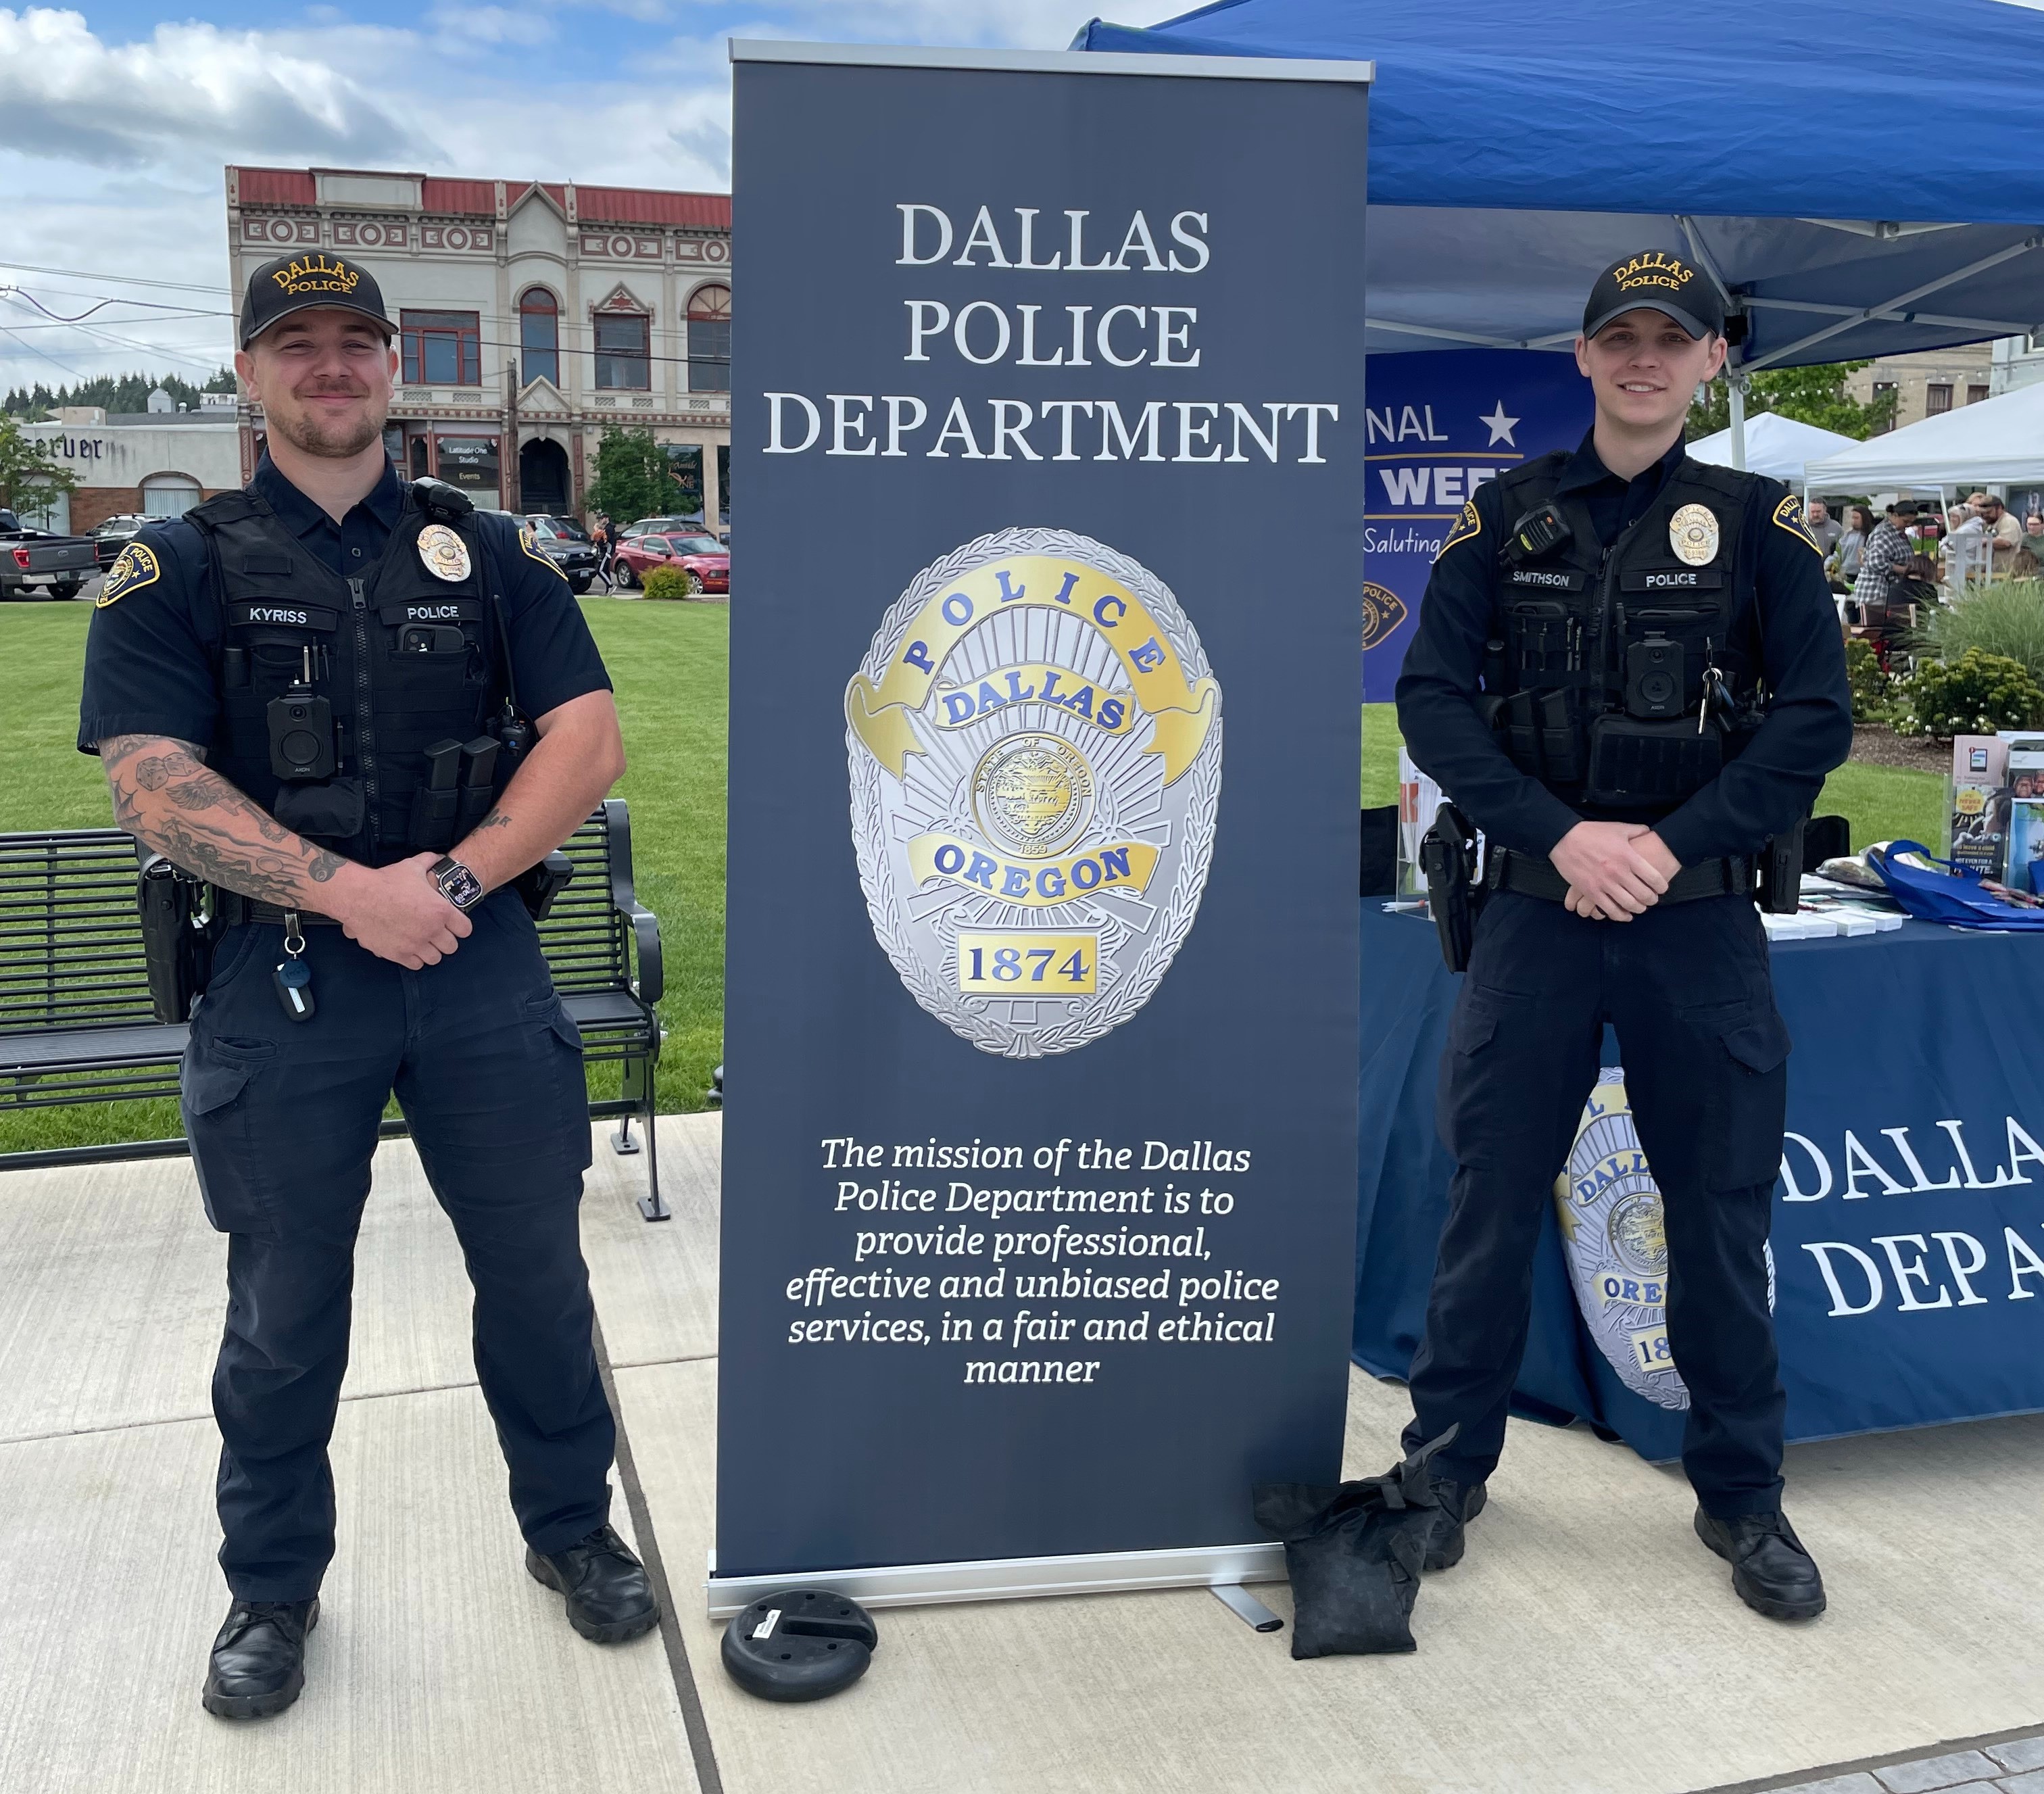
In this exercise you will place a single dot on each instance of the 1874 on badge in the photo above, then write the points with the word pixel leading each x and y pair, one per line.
pixel 1034 740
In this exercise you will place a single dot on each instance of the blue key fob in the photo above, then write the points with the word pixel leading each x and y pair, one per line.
pixel 294 989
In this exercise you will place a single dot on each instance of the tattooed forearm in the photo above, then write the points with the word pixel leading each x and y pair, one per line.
pixel 496 819
pixel 165 796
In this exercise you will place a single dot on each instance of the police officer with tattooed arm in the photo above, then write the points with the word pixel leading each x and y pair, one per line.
pixel 1628 674
pixel 362 712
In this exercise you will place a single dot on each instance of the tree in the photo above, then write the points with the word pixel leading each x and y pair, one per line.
pixel 31 477
pixel 634 477
pixel 114 391
pixel 1811 395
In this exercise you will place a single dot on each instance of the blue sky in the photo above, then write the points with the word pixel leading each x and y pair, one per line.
pixel 116 120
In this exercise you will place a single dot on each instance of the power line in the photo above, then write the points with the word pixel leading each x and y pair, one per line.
pixel 116 279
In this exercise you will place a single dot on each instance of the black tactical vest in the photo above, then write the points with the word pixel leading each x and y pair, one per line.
pixel 1612 676
pixel 404 657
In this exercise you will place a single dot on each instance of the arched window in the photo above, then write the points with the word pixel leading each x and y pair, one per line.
pixel 540 335
pixel 709 339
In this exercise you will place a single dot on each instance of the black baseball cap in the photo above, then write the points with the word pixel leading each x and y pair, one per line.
pixel 1656 280
pixel 298 283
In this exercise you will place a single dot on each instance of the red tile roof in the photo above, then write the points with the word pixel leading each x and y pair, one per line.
pixel 276 186
pixel 598 206
pixel 641 205
pixel 471 198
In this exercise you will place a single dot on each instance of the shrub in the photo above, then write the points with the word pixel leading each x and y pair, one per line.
pixel 669 582
pixel 1873 689
pixel 2006 618
pixel 1976 694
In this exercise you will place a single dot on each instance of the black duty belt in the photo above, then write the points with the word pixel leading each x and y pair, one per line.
pixel 1536 877
pixel 232 908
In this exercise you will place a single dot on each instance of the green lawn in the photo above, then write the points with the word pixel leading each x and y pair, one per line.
pixel 669 662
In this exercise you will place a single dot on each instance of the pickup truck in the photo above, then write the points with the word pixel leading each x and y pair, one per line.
pixel 34 557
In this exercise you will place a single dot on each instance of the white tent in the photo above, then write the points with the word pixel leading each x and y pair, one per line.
pixel 1993 443
pixel 1775 445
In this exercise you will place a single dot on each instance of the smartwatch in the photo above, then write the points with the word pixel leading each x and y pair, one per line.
pixel 456 882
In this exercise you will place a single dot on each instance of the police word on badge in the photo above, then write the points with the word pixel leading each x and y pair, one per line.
pixel 1692 533
pixel 135 565
pixel 1035 751
pixel 445 554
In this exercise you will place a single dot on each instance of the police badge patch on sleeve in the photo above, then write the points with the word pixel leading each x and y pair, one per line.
pixel 1467 524
pixel 1614 1239
pixel 1788 514
pixel 135 566
pixel 1383 610
pixel 1034 740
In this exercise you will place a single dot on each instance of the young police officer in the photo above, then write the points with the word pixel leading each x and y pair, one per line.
pixel 304 694
pixel 1628 674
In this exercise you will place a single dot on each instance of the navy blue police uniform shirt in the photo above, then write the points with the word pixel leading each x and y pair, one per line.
pixel 1765 791
pixel 153 658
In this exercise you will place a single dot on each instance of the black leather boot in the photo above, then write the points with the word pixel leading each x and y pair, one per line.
pixel 610 1597
pixel 1460 1503
pixel 1770 1569
pixel 259 1660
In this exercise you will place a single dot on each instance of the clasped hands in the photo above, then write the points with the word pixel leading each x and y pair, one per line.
pixel 1615 870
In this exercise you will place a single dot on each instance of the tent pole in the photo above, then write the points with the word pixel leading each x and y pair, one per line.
pixel 1735 389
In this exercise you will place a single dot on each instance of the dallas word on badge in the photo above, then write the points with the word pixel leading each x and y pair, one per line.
pixel 445 554
pixel 1614 1235
pixel 1035 746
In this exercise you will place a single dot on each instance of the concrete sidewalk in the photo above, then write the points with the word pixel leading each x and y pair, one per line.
pixel 1588 1643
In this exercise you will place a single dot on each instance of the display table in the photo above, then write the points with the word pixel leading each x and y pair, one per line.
pixel 1908 1237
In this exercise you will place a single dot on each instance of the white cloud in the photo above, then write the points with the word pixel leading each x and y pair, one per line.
pixel 66 95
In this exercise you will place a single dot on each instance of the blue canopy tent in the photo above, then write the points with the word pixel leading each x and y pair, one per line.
pixel 1852 198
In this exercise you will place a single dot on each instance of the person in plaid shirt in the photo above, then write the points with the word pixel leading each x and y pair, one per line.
pixel 1883 563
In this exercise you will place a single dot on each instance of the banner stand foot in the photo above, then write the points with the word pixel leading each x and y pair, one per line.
pixel 1251 1611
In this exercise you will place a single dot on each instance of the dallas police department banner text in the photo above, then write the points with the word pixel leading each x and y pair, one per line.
pixel 1039 1150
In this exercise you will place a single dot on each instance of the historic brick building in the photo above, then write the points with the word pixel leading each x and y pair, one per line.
pixel 531 314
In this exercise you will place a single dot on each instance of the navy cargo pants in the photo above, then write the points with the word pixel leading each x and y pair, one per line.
pixel 283 1116
pixel 1687 986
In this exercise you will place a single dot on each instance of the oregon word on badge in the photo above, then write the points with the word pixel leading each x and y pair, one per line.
pixel 1035 747
pixel 445 554
pixel 1692 533
pixel 1614 1238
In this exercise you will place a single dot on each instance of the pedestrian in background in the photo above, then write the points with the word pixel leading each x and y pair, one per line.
pixel 600 535
pixel 1845 553
pixel 1824 528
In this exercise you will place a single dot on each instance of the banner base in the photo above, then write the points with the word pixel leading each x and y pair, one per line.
pixel 1005 1579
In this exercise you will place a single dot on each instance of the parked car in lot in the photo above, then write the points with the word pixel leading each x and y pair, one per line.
pixel 32 559
pixel 567 545
pixel 666 526
pixel 110 537
pixel 704 559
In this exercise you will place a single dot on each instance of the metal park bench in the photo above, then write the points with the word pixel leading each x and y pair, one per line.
pixel 76 1025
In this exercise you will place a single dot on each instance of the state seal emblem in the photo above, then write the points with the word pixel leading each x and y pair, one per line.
pixel 1614 1238
pixel 1035 746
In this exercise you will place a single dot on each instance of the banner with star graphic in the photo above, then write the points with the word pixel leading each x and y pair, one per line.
pixel 1440 424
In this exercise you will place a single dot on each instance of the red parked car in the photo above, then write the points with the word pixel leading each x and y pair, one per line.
pixel 704 559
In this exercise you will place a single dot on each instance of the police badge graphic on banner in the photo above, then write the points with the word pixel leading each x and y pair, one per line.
pixel 1615 1241
pixel 1035 747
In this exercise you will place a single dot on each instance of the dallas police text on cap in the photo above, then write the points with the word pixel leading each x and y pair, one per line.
pixel 1654 280
pixel 297 283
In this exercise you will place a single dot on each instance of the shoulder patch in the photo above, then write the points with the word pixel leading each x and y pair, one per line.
pixel 528 543
pixel 1789 514
pixel 1466 525
pixel 135 566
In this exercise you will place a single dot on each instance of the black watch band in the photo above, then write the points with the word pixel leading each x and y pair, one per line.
pixel 456 883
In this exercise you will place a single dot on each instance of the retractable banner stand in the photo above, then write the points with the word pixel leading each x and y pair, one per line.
pixel 1039 1139
pixel 1441 422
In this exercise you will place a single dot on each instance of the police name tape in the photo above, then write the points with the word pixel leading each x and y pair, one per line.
pixel 1036 683
pixel 1181 710
pixel 1125 867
